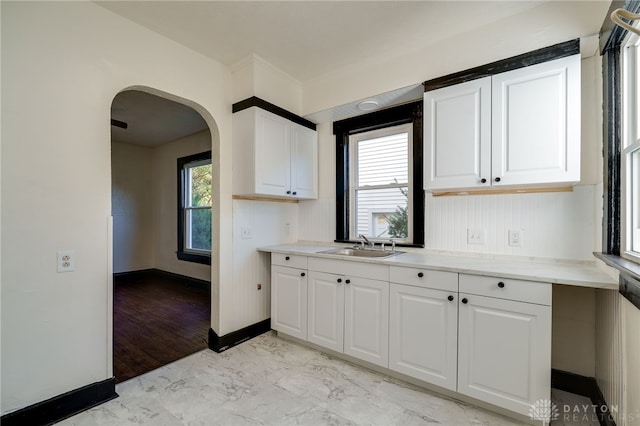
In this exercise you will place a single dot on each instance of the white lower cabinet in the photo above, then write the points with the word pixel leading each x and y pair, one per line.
pixel 366 324
pixel 289 301
pixel 326 310
pixel 484 337
pixel 504 347
pixel 349 315
pixel 423 334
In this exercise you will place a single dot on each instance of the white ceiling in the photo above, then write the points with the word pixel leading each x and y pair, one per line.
pixel 152 120
pixel 307 39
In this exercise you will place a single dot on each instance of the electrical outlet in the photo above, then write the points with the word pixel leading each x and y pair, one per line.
pixel 475 236
pixel 66 261
pixel 246 233
pixel 515 238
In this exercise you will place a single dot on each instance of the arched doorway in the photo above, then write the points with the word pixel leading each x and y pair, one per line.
pixel 161 304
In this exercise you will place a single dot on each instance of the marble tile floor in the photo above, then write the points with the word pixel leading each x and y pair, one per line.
pixel 271 381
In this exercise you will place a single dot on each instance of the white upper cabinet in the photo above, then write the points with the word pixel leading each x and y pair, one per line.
pixel 273 156
pixel 458 135
pixel 517 128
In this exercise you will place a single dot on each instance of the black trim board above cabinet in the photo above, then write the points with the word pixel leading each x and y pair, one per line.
pixel 222 343
pixel 275 109
pixel 63 406
pixel 545 54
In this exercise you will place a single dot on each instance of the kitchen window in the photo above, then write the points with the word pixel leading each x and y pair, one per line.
pixel 379 176
pixel 630 150
pixel 194 208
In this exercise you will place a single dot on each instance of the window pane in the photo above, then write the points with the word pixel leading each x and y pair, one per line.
pixel 384 160
pixel 382 213
pixel 200 185
pixel 634 190
pixel 198 229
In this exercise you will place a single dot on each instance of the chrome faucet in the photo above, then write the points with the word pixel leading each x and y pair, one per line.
pixel 365 240
pixel 393 245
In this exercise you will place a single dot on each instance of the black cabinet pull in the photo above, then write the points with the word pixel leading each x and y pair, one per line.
pixel 288 192
pixel 339 280
pixel 348 281
pixel 497 179
pixel 420 275
pixel 295 193
pixel 302 274
pixel 450 298
pixel 464 300
pixel 501 284
pixel 483 180
pixel 286 258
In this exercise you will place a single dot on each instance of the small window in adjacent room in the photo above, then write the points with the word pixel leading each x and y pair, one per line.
pixel 194 208
pixel 630 150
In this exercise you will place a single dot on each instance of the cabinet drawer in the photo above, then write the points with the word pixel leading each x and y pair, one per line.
pixel 350 269
pixel 290 260
pixel 438 280
pixel 522 291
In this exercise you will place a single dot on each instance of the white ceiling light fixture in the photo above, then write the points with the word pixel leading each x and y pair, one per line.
pixel 368 105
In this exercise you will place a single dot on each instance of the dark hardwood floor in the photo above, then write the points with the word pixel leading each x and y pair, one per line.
pixel 158 318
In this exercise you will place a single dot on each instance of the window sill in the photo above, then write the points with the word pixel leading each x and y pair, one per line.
pixel 195 258
pixel 629 276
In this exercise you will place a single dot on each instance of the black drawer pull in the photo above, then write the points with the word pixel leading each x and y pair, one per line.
pixel 286 258
pixel 450 298
pixel 497 179
pixel 348 281
pixel 302 274
pixel 501 284
pixel 420 275
pixel 483 180
pixel 464 300
pixel 339 280
pixel 288 192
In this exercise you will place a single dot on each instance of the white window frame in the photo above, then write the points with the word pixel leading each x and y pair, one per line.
pixel 353 177
pixel 630 188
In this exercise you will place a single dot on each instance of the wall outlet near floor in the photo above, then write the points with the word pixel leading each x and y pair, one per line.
pixel 475 236
pixel 515 238
pixel 246 233
pixel 66 261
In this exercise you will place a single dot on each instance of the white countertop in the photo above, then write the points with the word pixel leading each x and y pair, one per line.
pixel 584 274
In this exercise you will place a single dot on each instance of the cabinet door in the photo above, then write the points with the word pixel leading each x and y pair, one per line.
pixel 423 334
pixel 457 134
pixel 536 124
pixel 304 162
pixel 326 310
pixel 504 351
pixel 366 334
pixel 272 162
pixel 289 301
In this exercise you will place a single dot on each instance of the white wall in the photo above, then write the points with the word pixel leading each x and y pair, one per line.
pixel 132 207
pixel 62 64
pixel 269 223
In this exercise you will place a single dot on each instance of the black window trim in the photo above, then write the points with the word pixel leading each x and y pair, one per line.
pixel 611 39
pixel 181 254
pixel 393 116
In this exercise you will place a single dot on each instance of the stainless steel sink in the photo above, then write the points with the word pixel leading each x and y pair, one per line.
pixel 361 252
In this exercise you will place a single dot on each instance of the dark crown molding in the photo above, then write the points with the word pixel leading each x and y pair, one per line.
pixel 275 109
pixel 557 51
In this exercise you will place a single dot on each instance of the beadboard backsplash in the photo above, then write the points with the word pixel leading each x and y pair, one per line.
pixel 561 225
